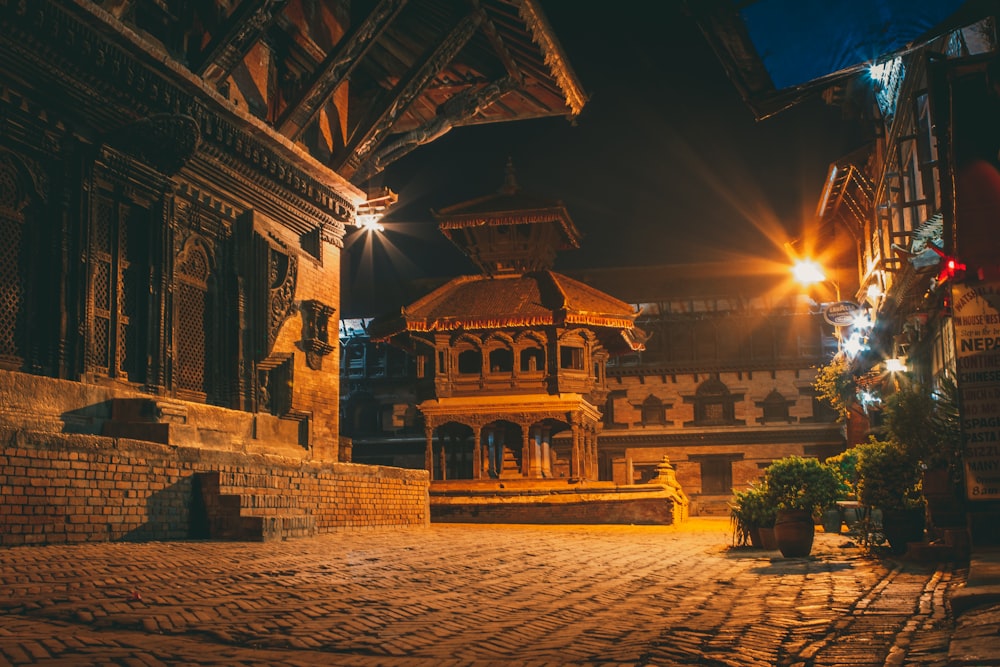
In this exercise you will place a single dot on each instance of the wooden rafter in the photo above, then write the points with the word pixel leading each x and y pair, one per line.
pixel 457 110
pixel 236 37
pixel 372 130
pixel 336 67
pixel 501 50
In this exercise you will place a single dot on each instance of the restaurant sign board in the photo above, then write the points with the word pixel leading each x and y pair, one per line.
pixel 976 316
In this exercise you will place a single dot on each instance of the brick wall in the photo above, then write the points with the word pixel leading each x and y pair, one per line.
pixel 57 488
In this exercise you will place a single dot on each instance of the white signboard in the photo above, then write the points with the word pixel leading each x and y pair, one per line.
pixel 976 316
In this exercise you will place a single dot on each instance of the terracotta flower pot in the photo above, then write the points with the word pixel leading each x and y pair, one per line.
pixel 902 527
pixel 794 531
pixel 767 540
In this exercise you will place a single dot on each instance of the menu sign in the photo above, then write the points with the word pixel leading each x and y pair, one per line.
pixel 976 316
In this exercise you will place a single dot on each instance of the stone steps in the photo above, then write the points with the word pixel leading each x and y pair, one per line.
pixel 253 514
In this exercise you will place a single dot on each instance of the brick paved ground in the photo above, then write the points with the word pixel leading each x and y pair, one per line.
pixel 471 595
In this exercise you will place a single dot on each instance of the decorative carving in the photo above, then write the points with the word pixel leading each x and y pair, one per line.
pixel 336 67
pixel 372 130
pixel 118 84
pixel 248 22
pixel 315 332
pixel 460 108
pixel 282 272
pixel 274 384
pixel 164 141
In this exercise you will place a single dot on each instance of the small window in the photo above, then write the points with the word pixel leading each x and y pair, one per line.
pixel 532 360
pixel 713 404
pixel 653 411
pixel 470 362
pixel 571 357
pixel 775 408
pixel 501 361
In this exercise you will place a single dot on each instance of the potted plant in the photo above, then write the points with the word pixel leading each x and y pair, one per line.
pixel 844 510
pixel 889 480
pixel 751 513
pixel 800 489
pixel 927 423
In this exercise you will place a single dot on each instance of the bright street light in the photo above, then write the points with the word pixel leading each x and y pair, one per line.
pixel 808 272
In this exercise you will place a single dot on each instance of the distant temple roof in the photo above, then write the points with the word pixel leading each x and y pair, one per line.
pixel 541 298
pixel 509 231
pixel 513 238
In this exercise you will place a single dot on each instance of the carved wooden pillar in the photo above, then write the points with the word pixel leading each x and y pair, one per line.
pixel 527 451
pixel 591 454
pixel 546 453
pixel 443 458
pixel 576 458
pixel 477 452
pixel 535 444
pixel 429 451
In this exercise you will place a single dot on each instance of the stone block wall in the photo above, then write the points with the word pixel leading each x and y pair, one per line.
pixel 59 488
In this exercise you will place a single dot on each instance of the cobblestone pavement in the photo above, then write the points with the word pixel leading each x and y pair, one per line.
pixel 472 595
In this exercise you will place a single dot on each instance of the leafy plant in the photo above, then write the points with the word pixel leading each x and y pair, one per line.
pixel 798 483
pixel 926 423
pixel 845 466
pixel 750 509
pixel 835 384
pixel 889 476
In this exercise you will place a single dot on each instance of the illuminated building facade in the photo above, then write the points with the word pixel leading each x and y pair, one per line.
pixel 916 203
pixel 724 385
pixel 176 181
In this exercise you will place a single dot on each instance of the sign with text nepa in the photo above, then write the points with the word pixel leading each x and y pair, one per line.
pixel 841 313
pixel 976 316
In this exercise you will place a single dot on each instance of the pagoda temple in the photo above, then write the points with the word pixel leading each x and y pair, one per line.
pixel 511 362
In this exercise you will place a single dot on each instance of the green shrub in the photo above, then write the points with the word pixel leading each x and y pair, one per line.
pixel 749 509
pixel 798 483
pixel 889 476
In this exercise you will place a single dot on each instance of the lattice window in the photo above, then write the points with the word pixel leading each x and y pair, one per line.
pixel 713 405
pixel 12 280
pixel 775 408
pixel 653 411
pixel 118 287
pixel 190 329
pixel 103 284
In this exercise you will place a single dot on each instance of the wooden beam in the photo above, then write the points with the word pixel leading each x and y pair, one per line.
pixel 501 49
pixel 336 67
pixel 373 129
pixel 451 113
pixel 236 37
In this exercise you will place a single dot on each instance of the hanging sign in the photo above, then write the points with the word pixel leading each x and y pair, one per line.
pixel 976 316
pixel 841 313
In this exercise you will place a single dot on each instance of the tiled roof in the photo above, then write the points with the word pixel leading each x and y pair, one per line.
pixel 535 299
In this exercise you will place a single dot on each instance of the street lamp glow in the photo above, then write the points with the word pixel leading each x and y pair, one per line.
pixel 895 365
pixel 808 272
pixel 369 222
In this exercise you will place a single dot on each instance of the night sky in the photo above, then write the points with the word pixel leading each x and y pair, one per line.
pixel 666 164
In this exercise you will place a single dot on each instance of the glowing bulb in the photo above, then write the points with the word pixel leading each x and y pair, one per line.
pixel 862 321
pixel 854 344
pixel 808 272
pixel 874 292
pixel 895 365
pixel 369 222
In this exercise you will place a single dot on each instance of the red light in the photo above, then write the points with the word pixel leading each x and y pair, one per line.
pixel 953 269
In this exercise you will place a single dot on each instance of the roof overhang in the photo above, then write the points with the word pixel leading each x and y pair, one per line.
pixel 778 52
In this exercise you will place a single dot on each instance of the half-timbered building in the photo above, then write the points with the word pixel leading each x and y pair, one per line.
pixel 176 181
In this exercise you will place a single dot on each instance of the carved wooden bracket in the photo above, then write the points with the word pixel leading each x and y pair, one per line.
pixel 315 332
pixel 163 141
